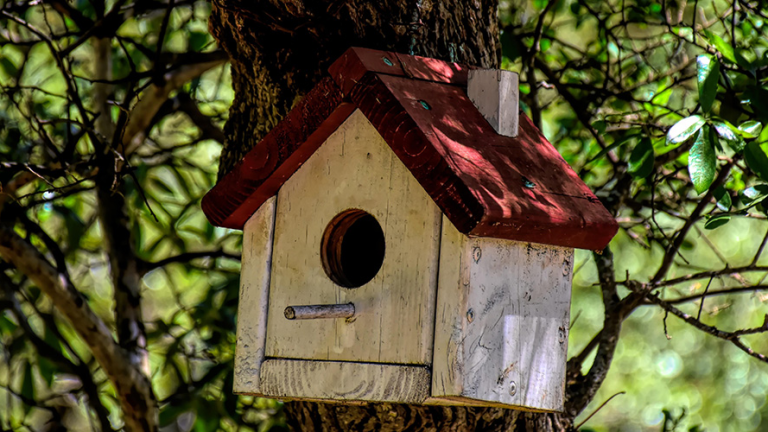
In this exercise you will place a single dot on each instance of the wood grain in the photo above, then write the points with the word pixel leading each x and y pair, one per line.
pixel 344 381
pixel 495 93
pixel 394 312
pixel 254 297
pixel 502 320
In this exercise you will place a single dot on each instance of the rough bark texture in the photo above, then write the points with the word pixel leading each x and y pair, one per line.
pixel 310 416
pixel 279 50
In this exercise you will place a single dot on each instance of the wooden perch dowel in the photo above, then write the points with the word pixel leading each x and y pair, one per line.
pixel 320 311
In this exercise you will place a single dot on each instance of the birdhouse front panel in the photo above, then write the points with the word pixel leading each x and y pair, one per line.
pixel 354 227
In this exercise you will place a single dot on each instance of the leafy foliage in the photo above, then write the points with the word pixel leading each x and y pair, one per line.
pixel 51 79
pixel 688 78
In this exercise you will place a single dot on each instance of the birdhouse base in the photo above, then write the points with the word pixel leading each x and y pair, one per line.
pixel 344 381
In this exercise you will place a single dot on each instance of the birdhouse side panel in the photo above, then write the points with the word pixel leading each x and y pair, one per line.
pixel 254 294
pixel 503 312
pixel 394 312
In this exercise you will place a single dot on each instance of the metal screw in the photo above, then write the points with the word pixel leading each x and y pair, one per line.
pixel 528 184
pixel 387 61
pixel 476 254
pixel 512 388
pixel 470 315
pixel 425 105
pixel 562 334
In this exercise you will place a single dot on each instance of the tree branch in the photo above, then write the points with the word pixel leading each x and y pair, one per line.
pixel 671 252
pixel 8 288
pixel 581 392
pixel 733 337
pixel 153 98
pixel 133 388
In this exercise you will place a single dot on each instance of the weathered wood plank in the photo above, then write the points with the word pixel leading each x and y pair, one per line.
pixel 495 93
pixel 394 312
pixel 501 332
pixel 254 295
pixel 344 381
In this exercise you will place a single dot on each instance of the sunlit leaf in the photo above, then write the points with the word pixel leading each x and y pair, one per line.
pixel 684 129
pixel 727 50
pixel 751 129
pixel 707 73
pixel 726 132
pixel 754 193
pixel 723 198
pixel 641 159
pixel 702 161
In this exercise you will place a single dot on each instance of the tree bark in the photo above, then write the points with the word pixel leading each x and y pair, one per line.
pixel 279 49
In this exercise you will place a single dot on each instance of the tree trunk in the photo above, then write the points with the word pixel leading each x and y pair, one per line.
pixel 279 49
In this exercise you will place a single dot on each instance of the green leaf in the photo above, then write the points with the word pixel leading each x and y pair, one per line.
pixel 754 193
pixel 727 50
pixel 751 129
pixel 8 67
pixel 727 133
pixel 170 412
pixel 684 129
pixel 197 40
pixel 641 159
pixel 207 417
pixel 702 162
pixel 756 159
pixel 47 370
pixel 599 126
pixel 723 198
pixel 717 221
pixel 6 325
pixel 28 385
pixel 161 185
pixel 708 73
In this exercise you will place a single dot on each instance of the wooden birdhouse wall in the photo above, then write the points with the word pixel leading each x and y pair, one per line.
pixel 501 332
pixel 355 169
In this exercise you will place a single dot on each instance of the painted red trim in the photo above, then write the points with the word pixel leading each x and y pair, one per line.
pixel 356 62
pixel 275 158
pixel 486 184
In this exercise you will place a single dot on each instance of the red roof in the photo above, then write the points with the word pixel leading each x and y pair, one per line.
pixel 487 184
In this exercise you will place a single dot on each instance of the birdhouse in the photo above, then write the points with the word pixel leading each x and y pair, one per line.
pixel 408 237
